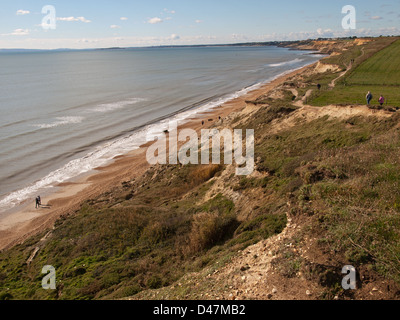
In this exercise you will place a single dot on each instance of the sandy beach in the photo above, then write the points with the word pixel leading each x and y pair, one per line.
pixel 16 227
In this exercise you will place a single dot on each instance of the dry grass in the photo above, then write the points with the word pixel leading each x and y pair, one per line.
pixel 203 173
pixel 210 229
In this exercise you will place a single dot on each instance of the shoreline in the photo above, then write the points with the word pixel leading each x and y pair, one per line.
pixel 26 221
pixel 104 151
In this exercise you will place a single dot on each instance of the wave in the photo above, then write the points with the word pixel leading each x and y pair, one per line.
pixel 285 63
pixel 275 65
pixel 102 108
pixel 108 107
pixel 60 121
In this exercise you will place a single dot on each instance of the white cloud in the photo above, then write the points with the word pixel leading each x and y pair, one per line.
pixel 170 11
pixel 199 21
pixel 18 32
pixel 23 12
pixel 327 33
pixel 114 26
pixel 154 20
pixel 174 37
pixel 123 18
pixel 73 19
pixel 376 18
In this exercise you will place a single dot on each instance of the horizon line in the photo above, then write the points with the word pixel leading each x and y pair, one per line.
pixel 251 43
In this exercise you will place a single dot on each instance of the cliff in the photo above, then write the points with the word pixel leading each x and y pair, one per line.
pixel 324 195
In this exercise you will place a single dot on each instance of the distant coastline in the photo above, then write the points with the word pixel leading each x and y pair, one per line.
pixel 283 44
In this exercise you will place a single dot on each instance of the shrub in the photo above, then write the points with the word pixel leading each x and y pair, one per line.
pixel 130 291
pixel 156 232
pixel 209 229
pixel 154 282
pixel 110 280
pixel 204 173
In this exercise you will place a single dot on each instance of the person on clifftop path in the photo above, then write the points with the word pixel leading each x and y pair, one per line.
pixel 381 100
pixel 369 97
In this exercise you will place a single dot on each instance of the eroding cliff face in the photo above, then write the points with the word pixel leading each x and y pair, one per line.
pixel 322 67
pixel 330 47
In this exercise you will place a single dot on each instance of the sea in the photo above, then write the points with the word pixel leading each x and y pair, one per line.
pixel 65 113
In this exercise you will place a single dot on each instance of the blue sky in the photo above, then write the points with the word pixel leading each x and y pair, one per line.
pixel 105 23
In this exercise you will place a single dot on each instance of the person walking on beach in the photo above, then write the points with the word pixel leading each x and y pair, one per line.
pixel 38 202
pixel 369 97
pixel 381 100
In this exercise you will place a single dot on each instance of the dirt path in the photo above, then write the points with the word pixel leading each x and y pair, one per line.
pixel 349 67
pixel 304 99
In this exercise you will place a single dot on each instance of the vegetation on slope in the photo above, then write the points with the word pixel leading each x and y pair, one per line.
pixel 337 177
pixel 143 235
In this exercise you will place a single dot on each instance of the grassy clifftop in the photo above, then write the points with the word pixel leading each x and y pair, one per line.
pixel 373 67
pixel 331 171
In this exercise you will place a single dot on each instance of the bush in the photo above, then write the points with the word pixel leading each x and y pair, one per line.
pixel 156 233
pixel 210 229
pixel 204 173
pixel 130 291
pixel 110 280
pixel 154 282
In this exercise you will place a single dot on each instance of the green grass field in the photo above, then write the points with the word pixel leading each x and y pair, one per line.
pixel 380 74
pixel 383 69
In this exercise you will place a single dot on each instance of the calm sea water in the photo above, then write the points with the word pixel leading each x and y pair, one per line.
pixel 65 113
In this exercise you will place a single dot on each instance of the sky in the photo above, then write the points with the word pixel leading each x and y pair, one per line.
pixel 81 24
